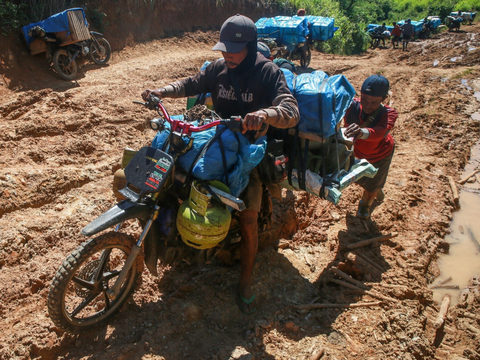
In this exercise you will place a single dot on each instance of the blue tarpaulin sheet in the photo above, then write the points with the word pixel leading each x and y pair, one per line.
pixel 417 25
pixel 240 156
pixel 435 22
pixel 286 30
pixel 290 77
pixel 322 101
pixel 292 30
pixel 53 24
pixel 373 26
pixel 322 28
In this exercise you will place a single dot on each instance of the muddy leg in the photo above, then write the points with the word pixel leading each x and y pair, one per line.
pixel 248 249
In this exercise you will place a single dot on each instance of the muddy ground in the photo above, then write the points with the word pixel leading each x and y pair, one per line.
pixel 61 141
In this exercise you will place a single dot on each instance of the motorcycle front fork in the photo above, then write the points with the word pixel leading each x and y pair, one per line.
pixel 136 249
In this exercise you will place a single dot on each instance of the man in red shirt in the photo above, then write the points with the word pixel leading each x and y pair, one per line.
pixel 369 122
pixel 396 33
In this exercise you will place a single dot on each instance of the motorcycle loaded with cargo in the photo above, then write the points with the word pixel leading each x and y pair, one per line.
pixel 183 192
pixel 64 37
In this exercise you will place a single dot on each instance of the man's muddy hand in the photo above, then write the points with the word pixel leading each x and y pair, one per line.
pixel 353 130
pixel 254 120
pixel 156 92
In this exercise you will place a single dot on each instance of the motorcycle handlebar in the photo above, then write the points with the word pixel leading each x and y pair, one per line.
pixel 155 103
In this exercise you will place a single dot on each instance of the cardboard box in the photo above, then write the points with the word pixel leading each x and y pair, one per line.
pixel 38 46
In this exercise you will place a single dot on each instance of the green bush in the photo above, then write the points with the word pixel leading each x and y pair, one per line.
pixel 97 19
pixel 12 16
pixel 468 5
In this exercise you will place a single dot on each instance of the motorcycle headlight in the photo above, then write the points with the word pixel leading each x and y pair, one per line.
pixel 157 125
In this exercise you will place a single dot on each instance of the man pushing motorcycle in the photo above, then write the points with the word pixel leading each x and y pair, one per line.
pixel 244 83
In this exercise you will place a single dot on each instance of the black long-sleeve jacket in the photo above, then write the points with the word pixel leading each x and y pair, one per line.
pixel 262 87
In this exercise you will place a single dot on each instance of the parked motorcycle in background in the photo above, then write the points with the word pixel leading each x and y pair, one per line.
pixel 65 37
pixel 378 36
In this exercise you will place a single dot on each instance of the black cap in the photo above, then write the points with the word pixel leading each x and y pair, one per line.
pixel 263 49
pixel 376 85
pixel 236 32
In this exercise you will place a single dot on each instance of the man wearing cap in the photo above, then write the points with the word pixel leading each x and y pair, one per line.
pixel 407 31
pixel 263 49
pixel 264 100
pixel 369 122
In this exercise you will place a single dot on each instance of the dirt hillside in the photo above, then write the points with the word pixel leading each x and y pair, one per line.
pixel 61 142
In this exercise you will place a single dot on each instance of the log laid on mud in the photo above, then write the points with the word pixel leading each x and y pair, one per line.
pixel 456 197
pixel 472 328
pixel 368 292
pixel 443 282
pixel 325 306
pixel 446 286
pixel 371 241
pixel 468 176
pixel 348 278
pixel 443 311
pixel 471 316
pixel 370 261
pixel 317 354
pixel 364 264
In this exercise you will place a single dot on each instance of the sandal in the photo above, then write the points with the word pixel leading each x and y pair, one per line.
pixel 363 211
pixel 243 304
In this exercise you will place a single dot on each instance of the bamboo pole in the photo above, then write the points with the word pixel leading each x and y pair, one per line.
pixel 368 292
pixel 371 241
pixel 443 282
pixel 325 306
pixel 348 278
pixel 446 286
pixel 443 312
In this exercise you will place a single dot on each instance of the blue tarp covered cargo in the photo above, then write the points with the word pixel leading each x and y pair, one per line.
pixel 322 101
pixel 290 77
pixel 55 23
pixel 373 26
pixel 466 15
pixel 240 156
pixel 435 22
pixel 322 28
pixel 417 25
pixel 286 30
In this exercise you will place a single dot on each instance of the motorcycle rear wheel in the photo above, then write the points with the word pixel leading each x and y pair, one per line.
pixel 305 57
pixel 61 63
pixel 77 298
pixel 100 53
pixel 375 43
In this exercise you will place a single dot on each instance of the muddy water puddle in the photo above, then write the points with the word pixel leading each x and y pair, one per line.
pixel 463 259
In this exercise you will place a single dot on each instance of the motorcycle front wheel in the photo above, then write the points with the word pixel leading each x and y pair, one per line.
pixel 77 298
pixel 100 51
pixel 65 68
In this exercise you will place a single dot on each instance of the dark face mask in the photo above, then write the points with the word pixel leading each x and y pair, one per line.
pixel 249 61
